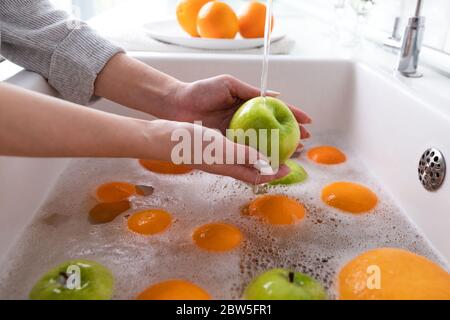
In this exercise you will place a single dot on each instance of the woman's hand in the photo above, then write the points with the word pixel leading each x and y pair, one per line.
pixel 227 159
pixel 35 125
pixel 215 100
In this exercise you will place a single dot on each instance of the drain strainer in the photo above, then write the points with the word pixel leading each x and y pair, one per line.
pixel 432 169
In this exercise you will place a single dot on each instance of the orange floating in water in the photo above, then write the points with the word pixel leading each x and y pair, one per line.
pixel 163 167
pixel 277 209
pixel 350 197
pixel 150 222
pixel 327 155
pixel 108 211
pixel 217 237
pixel 174 290
pixel 393 274
pixel 115 191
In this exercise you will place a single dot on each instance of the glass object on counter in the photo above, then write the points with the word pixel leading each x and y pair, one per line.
pixel 339 4
pixel 362 7
pixel 351 20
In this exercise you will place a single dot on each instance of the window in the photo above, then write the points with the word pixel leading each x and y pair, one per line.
pixel 384 12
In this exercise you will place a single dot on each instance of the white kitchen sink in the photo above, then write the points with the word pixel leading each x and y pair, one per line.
pixel 386 121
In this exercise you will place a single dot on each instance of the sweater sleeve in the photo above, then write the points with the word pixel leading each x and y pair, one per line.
pixel 65 51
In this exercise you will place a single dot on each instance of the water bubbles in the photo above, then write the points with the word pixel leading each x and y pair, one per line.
pixel 319 245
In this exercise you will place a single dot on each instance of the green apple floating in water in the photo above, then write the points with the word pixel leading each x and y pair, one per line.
pixel 282 284
pixel 267 113
pixel 296 175
pixel 75 280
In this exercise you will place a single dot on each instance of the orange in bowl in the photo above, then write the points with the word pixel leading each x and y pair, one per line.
pixel 164 167
pixel 217 20
pixel 187 12
pixel 393 274
pixel 252 20
pixel 174 290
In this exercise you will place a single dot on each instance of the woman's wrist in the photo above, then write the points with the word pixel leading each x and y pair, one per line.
pixel 134 84
pixel 161 100
pixel 153 139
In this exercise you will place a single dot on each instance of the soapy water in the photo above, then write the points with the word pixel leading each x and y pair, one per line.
pixel 319 245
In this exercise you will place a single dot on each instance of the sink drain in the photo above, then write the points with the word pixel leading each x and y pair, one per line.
pixel 432 169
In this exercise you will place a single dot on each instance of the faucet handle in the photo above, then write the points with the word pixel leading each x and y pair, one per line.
pixel 412 44
pixel 419 8
pixel 411 47
pixel 394 39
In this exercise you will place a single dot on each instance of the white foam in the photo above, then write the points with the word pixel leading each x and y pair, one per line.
pixel 318 246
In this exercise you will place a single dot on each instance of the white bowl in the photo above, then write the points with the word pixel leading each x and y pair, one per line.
pixel 169 31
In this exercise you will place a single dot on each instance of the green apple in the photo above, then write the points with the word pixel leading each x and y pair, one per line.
pixel 297 175
pixel 282 284
pixel 75 280
pixel 267 113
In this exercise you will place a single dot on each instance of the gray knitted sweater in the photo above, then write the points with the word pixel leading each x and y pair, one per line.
pixel 68 53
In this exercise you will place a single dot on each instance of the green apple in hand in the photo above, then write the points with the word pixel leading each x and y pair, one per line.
pixel 75 280
pixel 296 175
pixel 282 284
pixel 268 113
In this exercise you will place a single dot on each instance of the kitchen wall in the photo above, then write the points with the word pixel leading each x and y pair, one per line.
pixel 382 15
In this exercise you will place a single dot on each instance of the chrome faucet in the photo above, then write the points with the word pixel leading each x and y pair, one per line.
pixel 412 44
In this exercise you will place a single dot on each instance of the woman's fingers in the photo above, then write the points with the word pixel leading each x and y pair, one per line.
pixel 251 166
pixel 246 173
pixel 304 133
pixel 245 155
pixel 282 172
pixel 242 90
pixel 246 91
pixel 301 116
pixel 243 163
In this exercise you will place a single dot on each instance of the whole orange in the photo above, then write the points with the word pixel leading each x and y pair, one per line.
pixel 217 20
pixel 174 290
pixel 393 274
pixel 187 11
pixel 252 20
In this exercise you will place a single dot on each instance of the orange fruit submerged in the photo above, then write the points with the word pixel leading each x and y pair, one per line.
pixel 164 167
pixel 115 191
pixel 327 155
pixel 277 209
pixel 174 290
pixel 403 275
pixel 150 222
pixel 217 237
pixel 349 197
